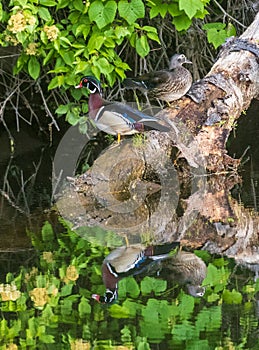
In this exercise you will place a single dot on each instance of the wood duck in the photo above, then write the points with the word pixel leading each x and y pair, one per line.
pixel 187 269
pixel 116 118
pixel 129 261
pixel 167 85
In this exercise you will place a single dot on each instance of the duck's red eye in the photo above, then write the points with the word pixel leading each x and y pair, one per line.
pixel 85 81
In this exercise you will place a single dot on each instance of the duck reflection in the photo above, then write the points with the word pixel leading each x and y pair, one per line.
pixel 168 259
pixel 130 260
pixel 187 269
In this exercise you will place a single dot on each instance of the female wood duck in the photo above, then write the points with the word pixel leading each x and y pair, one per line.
pixel 116 118
pixel 187 269
pixel 129 261
pixel 167 85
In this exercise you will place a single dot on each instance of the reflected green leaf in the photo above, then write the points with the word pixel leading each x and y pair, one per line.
pixel 149 284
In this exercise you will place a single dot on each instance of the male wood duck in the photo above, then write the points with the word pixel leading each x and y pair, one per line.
pixel 167 85
pixel 187 269
pixel 129 261
pixel 116 118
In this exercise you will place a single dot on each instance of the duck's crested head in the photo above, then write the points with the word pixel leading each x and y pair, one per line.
pixel 91 83
pixel 108 298
pixel 177 60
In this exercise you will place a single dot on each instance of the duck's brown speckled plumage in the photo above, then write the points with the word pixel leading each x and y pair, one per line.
pixel 167 85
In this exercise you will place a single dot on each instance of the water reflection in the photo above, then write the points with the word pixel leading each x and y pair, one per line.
pixel 55 279
pixel 187 269
pixel 130 260
pixel 54 292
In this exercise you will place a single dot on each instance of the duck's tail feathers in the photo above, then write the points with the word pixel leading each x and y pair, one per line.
pixel 158 252
pixel 134 84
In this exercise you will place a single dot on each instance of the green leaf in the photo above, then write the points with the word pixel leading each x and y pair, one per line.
pixel 44 14
pixel 102 14
pixel 149 284
pixel 216 37
pixel 104 65
pixel 61 69
pixel 159 9
pixel 230 30
pixel 82 66
pixel 68 57
pixel 232 297
pixel 216 278
pixel 62 3
pixel 214 25
pixel 118 311
pixel 53 83
pixel 151 33
pixel 186 306
pixel 142 46
pixel 66 290
pixel 79 5
pixel 48 57
pixel 34 67
pixel 217 33
pixel 84 29
pixel 182 22
pixel 190 7
pixel 132 10
pixel 153 36
pixel 212 297
pixel 47 338
pixel 129 286
pixel 47 232
pixel 95 42
pixel 65 40
pixel 84 307
pixel 48 3
pixel 72 118
pixel 121 32
pixel 1 12
pixel 62 109
pixel 173 9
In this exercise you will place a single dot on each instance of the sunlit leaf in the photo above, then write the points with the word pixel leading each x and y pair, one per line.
pixel 84 307
pixel 102 14
pixel 232 297
pixel 142 46
pixel 132 10
pixel 190 7
pixel 44 13
pixel 118 311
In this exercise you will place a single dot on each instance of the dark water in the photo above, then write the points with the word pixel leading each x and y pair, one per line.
pixel 244 143
pixel 163 318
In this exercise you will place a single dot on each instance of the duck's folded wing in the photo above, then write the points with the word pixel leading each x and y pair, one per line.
pixel 121 116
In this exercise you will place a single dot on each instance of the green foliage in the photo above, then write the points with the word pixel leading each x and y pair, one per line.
pixel 217 32
pixel 50 302
pixel 69 39
pixel 149 284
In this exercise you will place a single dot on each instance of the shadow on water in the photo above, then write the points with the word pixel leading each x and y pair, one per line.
pixel 49 272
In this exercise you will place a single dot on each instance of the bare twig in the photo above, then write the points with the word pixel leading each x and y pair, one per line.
pixel 228 15
pixel 47 108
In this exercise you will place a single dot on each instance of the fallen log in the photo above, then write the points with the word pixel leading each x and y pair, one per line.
pixel 161 185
